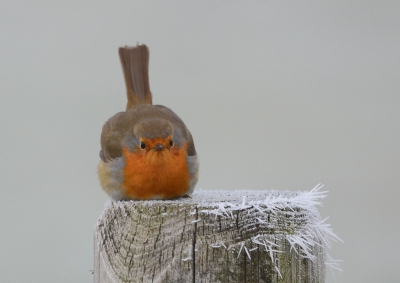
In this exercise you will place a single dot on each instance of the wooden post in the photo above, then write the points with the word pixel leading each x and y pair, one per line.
pixel 214 236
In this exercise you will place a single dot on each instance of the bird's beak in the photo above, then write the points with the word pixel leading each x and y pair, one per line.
pixel 159 147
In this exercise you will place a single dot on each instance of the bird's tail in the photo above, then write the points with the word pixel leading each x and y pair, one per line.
pixel 135 65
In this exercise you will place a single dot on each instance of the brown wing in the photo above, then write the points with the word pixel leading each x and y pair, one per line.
pixel 111 138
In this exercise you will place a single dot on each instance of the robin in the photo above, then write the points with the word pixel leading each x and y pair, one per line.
pixel 146 152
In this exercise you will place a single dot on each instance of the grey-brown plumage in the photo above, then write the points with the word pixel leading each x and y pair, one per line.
pixel 141 121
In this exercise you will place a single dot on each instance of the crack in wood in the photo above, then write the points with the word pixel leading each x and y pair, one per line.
pixel 194 248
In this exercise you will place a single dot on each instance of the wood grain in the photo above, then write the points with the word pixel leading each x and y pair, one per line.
pixel 193 240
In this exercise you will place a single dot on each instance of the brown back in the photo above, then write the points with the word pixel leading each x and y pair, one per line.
pixel 135 65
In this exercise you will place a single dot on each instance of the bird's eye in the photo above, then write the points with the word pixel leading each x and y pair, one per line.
pixel 171 143
pixel 142 145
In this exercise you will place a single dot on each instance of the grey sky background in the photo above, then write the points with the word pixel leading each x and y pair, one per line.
pixel 278 95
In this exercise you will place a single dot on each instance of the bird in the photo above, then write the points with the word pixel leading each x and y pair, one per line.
pixel 147 152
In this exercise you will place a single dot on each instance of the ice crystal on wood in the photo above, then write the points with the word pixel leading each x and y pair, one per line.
pixel 214 236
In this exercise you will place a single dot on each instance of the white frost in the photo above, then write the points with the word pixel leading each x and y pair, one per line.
pixel 314 232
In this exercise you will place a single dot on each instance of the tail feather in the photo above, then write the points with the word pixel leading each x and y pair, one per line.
pixel 135 65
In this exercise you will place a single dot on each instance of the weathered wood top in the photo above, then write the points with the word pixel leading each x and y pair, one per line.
pixel 214 236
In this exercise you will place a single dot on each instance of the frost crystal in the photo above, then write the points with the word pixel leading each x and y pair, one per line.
pixel 314 232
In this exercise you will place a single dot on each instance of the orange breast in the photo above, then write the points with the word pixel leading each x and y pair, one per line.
pixel 152 174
